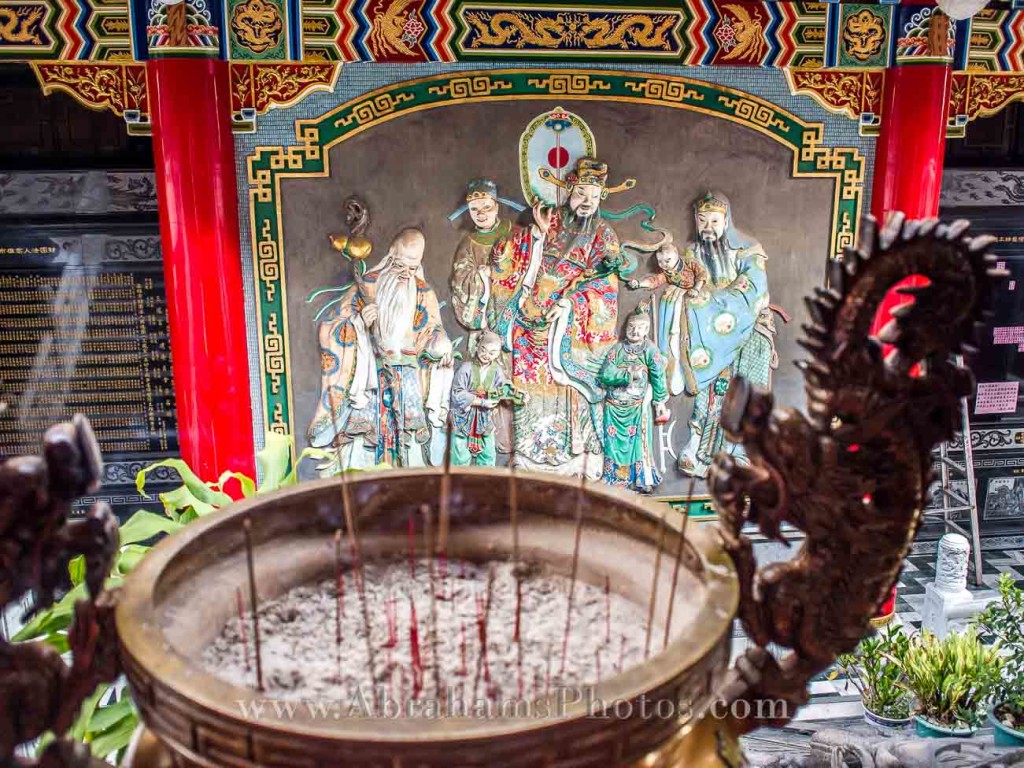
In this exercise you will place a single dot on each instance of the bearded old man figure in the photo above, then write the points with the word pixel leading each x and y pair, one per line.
pixel 725 326
pixel 554 299
pixel 386 364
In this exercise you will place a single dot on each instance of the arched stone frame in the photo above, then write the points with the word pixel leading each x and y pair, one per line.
pixel 310 158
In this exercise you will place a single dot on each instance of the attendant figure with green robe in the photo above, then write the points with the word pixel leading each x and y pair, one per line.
pixel 633 375
pixel 474 397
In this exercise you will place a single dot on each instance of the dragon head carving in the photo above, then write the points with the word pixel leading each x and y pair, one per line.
pixel 853 474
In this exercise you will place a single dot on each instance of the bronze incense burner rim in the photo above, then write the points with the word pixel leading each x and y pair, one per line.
pixel 145 648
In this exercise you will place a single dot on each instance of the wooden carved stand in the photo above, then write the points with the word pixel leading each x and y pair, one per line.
pixel 38 691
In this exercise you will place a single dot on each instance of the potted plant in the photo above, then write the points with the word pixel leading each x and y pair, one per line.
pixel 875 670
pixel 1004 620
pixel 952 680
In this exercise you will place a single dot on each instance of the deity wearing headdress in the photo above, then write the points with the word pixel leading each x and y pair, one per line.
pixel 722 329
pixel 634 376
pixel 471 279
pixel 386 364
pixel 471 271
pixel 554 302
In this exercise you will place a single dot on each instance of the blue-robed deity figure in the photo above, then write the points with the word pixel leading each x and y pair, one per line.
pixel 714 324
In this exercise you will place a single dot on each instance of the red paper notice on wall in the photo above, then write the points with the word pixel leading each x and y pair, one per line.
pixel 997 397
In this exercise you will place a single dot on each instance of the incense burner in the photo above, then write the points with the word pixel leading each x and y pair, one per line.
pixel 183 593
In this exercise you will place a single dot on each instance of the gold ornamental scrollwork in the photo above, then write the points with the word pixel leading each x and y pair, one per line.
pixel 97 86
pixel 268 262
pixel 848 161
pixel 465 87
pixel 374 108
pixel 277 422
pixel 988 93
pixel 665 90
pixel 273 353
pixel 569 85
pixel 754 112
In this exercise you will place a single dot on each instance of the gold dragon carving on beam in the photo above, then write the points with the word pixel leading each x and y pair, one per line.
pixel 570 30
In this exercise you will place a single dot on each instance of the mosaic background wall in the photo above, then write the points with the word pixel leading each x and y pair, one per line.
pixel 412 171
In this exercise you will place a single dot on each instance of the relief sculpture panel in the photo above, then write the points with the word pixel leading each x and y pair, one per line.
pixel 503 292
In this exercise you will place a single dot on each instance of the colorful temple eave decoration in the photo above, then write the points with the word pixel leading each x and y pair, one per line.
pixel 256 88
pixel 743 33
pixel 858 95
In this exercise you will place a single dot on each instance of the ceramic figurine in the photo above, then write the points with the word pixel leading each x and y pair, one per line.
pixel 386 364
pixel 685 279
pixel 471 278
pixel 728 328
pixel 554 303
pixel 471 272
pixel 634 376
pixel 478 388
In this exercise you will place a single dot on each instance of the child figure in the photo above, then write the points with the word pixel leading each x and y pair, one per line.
pixel 682 274
pixel 688 282
pixel 475 395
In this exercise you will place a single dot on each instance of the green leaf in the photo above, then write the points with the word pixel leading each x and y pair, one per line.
pixel 320 454
pixel 143 526
pixel 130 557
pixel 197 488
pixel 118 736
pixel 76 569
pixel 108 716
pixel 58 641
pixel 247 484
pixel 182 500
pixel 56 618
pixel 273 460
pixel 81 725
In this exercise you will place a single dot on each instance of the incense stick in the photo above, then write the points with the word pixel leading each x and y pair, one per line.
pixel 429 544
pixel 481 660
pixel 360 576
pixel 513 505
pixel 575 564
pixel 680 545
pixel 338 587
pixel 654 584
pixel 446 490
pixel 250 561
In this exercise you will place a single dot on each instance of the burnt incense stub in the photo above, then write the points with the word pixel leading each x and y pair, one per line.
pixel 853 474
pixel 39 692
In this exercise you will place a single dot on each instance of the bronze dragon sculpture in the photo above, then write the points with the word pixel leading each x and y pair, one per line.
pixel 38 691
pixel 853 474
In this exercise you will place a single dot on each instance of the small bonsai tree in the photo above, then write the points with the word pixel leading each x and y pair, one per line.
pixel 1004 621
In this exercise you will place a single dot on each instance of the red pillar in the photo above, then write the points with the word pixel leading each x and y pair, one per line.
pixel 195 174
pixel 908 166
pixel 912 143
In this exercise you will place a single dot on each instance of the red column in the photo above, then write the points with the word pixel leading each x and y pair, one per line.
pixel 195 174
pixel 908 165
pixel 912 143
